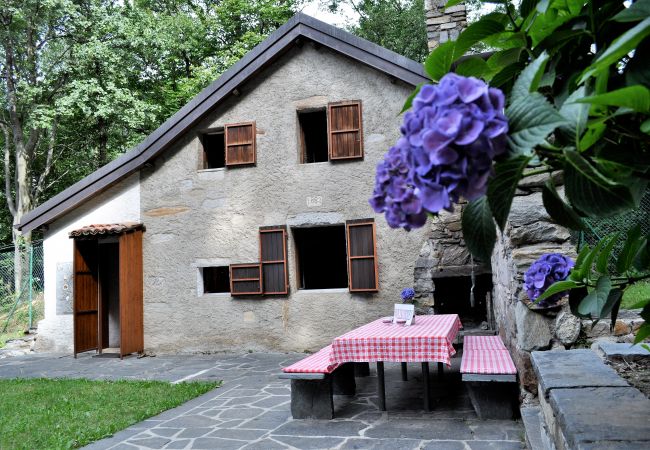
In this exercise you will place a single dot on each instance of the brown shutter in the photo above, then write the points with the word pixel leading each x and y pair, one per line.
pixel 86 296
pixel 345 130
pixel 245 279
pixel 273 257
pixel 362 256
pixel 131 293
pixel 240 143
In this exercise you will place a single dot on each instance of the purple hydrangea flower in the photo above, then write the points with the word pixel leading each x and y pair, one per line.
pixel 548 269
pixel 450 137
pixel 407 295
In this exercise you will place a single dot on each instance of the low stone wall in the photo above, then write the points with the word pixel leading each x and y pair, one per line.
pixel 586 404
pixel 443 24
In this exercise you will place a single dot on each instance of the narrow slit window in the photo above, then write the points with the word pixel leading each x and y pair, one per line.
pixel 216 279
pixel 321 257
pixel 214 150
pixel 313 133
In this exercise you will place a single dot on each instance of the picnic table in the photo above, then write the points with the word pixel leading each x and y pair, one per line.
pixel 429 339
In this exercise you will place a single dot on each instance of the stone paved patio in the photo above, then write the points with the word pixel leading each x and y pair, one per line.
pixel 251 410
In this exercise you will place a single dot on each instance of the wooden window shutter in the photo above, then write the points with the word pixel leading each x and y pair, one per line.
pixel 273 258
pixel 245 279
pixel 240 143
pixel 362 255
pixel 344 126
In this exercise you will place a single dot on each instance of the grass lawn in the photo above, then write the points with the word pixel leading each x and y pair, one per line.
pixel 53 414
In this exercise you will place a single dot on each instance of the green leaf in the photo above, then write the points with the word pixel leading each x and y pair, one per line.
pixel 526 7
pixel 558 209
pixel 621 46
pixel 613 298
pixel 557 287
pixel 529 79
pixel 576 114
pixel 438 63
pixel 638 10
pixel 645 126
pixel 631 247
pixel 590 191
pixel 592 305
pixel 504 58
pixel 575 298
pixel 636 295
pixel 409 100
pixel 642 259
pixel 592 134
pixel 474 66
pixel 603 257
pixel 532 119
pixel 476 32
pixel 642 333
pixel 576 273
pixel 502 187
pixel 479 230
pixel 635 97
pixel 507 74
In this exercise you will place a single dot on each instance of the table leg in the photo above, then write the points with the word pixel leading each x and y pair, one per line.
pixel 441 373
pixel 381 389
pixel 405 376
pixel 425 376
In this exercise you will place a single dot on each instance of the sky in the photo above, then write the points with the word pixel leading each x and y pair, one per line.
pixel 316 8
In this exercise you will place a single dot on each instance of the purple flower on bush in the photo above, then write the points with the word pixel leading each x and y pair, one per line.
pixel 450 137
pixel 407 295
pixel 548 269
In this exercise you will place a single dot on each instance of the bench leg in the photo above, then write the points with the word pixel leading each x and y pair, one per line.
pixel 312 399
pixel 405 376
pixel 361 369
pixel 343 380
pixel 425 377
pixel 493 400
pixel 381 388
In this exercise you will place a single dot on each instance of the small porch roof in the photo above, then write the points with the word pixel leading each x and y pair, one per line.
pixel 108 229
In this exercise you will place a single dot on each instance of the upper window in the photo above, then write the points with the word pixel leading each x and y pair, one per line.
pixel 216 279
pixel 214 150
pixel 331 133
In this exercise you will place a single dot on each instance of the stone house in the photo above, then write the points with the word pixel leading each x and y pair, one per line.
pixel 243 221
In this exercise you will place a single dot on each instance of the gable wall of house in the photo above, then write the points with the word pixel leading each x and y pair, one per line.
pixel 202 218
pixel 121 203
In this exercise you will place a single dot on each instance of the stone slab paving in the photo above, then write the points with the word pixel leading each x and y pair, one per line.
pixel 251 409
pixel 616 351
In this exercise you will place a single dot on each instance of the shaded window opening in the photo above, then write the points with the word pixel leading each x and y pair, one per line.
pixel 216 279
pixel 452 296
pixel 322 257
pixel 313 128
pixel 214 151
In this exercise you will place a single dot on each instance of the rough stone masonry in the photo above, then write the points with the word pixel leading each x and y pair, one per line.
pixel 443 24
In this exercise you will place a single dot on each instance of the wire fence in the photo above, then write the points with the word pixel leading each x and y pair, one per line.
pixel 21 289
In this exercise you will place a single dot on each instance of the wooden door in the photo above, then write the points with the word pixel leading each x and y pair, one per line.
pixel 86 296
pixel 131 295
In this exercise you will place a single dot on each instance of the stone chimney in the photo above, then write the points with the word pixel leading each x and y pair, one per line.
pixel 443 24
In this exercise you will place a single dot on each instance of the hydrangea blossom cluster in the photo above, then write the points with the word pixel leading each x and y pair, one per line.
pixel 407 295
pixel 548 269
pixel 449 139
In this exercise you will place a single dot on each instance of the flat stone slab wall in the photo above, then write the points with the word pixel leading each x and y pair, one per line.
pixel 587 405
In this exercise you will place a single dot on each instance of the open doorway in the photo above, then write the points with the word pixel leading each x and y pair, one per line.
pixel 108 295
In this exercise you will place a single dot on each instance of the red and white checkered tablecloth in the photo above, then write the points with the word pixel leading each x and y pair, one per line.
pixel 429 339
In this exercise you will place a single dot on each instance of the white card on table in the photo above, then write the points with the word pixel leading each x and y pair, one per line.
pixel 404 312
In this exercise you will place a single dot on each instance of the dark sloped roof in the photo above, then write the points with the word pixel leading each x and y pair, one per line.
pixel 280 41
pixel 106 229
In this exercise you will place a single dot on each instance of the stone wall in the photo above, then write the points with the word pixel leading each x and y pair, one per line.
pixel 443 24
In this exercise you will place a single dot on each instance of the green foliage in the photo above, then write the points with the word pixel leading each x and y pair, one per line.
pixel 577 85
pixel 399 25
pixel 40 413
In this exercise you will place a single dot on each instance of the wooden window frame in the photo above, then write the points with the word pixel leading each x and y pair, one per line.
pixel 275 229
pixel 356 223
pixel 330 131
pixel 226 128
pixel 234 280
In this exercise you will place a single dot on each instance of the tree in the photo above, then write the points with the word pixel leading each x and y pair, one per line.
pixel 398 25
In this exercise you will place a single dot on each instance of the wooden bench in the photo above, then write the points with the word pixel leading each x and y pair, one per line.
pixel 314 381
pixel 491 377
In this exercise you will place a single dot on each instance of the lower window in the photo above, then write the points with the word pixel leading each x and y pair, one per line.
pixel 321 257
pixel 216 279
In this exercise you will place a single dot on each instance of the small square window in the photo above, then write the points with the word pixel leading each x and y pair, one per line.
pixel 216 279
pixel 214 150
pixel 313 133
